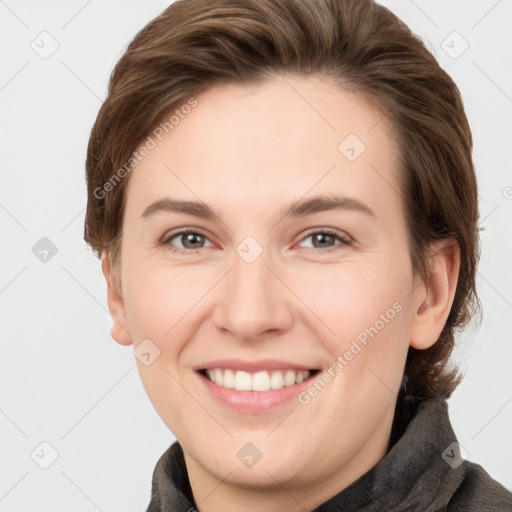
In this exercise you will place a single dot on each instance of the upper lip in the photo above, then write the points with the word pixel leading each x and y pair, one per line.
pixel 252 366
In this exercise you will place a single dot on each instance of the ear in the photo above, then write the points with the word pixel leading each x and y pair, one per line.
pixel 120 330
pixel 434 298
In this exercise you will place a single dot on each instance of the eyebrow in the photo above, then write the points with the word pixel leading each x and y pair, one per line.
pixel 299 208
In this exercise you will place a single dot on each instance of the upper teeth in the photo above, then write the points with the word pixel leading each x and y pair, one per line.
pixel 259 381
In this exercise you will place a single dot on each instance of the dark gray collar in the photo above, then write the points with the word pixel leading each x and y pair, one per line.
pixel 421 472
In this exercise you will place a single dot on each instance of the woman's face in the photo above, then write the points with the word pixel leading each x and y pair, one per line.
pixel 271 282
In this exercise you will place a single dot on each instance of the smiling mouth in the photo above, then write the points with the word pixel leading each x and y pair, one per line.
pixel 257 381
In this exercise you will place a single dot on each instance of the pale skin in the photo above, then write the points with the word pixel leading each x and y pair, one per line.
pixel 247 152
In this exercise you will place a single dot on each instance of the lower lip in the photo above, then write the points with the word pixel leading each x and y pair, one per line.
pixel 255 401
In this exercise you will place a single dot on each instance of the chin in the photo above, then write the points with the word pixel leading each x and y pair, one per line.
pixel 260 463
pixel 262 476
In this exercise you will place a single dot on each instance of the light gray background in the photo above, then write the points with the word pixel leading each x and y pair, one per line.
pixel 64 380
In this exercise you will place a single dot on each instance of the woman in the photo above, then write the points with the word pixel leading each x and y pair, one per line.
pixel 284 200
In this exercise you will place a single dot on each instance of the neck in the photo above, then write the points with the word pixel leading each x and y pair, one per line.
pixel 213 494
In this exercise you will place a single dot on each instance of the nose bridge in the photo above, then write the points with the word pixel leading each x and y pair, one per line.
pixel 253 300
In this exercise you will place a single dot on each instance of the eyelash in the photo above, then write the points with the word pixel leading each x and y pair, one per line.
pixel 345 240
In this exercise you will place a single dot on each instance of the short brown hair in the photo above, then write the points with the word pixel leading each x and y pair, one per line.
pixel 363 47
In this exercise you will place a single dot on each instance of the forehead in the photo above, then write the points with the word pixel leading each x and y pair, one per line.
pixel 283 138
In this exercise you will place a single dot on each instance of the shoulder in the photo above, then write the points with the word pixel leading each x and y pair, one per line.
pixel 478 491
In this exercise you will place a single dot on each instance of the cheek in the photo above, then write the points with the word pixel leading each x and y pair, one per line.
pixel 158 299
pixel 160 307
pixel 361 314
pixel 349 298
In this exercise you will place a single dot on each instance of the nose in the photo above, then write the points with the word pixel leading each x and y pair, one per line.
pixel 253 300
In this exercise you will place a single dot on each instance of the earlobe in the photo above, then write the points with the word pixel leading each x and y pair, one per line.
pixel 434 298
pixel 119 331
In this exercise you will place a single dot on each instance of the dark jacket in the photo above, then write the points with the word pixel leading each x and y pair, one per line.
pixel 423 471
